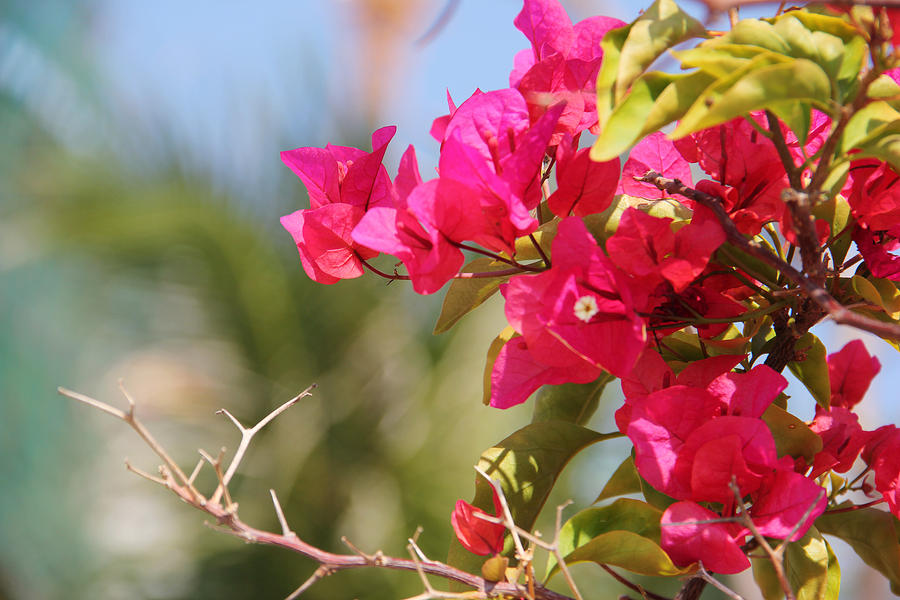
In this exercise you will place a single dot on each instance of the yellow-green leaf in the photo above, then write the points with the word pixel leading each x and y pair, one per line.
pixel 871 533
pixel 493 350
pixel 464 295
pixel 806 566
pixel 572 402
pixel 812 371
pixel 757 86
pixel 792 436
pixel 625 534
pixel 625 480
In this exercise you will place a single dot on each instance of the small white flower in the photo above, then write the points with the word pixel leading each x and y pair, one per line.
pixel 585 308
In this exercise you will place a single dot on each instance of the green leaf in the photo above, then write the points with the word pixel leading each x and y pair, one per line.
pixel 572 402
pixel 880 292
pixel 654 497
pixel 655 100
pixel 792 436
pixel 868 123
pixel 464 295
pixel 662 26
pixel 806 566
pixel 871 533
pixel 758 85
pixel 624 534
pixel 836 212
pixel 766 578
pixel 527 464
pixel 630 50
pixel 813 370
pixel 507 334
pixel 544 235
pixel 834 25
pixel 625 480
pixel 886 148
pixel 833 584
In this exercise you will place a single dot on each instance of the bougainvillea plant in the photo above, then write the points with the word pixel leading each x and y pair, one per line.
pixel 722 211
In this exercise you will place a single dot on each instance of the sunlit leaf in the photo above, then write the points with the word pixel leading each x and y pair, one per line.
pixel 871 533
pixel 493 351
pixel 572 402
pixel 625 534
pixel 630 50
pixel 806 566
pixel 464 295
pixel 758 85
pixel 812 371
pixel 792 436
pixel 625 480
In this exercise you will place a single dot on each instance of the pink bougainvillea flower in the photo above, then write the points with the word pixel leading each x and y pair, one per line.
pixel 516 374
pixel 491 148
pixel 879 249
pixel 645 247
pixel 475 534
pixel 721 449
pixel 747 173
pixel 842 440
pixel 688 537
pixel 748 394
pixel 410 231
pixel 657 153
pixel 323 237
pixel 584 187
pixel 784 497
pixel 579 309
pixel 850 371
pixel 342 183
pixel 874 194
pixel 562 64
pixel 342 174
pixel 659 426
pixel 651 373
pixel 882 454
pixel 577 318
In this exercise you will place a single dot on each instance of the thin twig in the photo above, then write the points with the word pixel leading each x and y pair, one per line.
pixel 130 418
pixel 285 529
pixel 247 436
pixel 718 584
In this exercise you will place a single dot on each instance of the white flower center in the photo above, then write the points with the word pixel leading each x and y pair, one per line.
pixel 585 308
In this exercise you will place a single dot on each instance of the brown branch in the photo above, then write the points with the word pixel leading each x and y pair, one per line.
pixel 819 295
pixel 228 520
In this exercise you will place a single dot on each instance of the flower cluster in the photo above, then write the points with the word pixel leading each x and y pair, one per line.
pixel 611 276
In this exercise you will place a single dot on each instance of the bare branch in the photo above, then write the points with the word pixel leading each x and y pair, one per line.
pixel 247 436
pixel 718 584
pixel 130 418
pixel 834 309
pixel 285 530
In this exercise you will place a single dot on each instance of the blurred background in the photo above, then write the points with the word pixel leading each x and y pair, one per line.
pixel 140 191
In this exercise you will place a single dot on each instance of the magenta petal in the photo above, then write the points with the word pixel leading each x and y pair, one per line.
pixel 784 498
pixel 657 153
pixel 517 375
pixel 748 394
pixel 701 373
pixel 716 545
pixel 584 187
pixel 546 24
pixel 323 238
pixel 588 35
pixel 318 171
pixel 851 370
